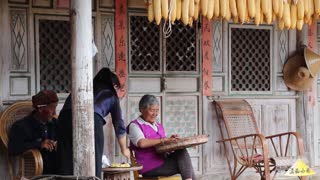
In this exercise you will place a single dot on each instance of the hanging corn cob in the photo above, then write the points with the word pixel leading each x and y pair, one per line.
pixel 216 7
pixel 288 14
pixel 173 10
pixel 299 24
pixel 204 7
pixel 210 9
pixel 233 8
pixel 280 12
pixel 178 9
pixel 251 8
pixel 196 10
pixel 257 18
pixel 275 6
pixel 317 7
pixel 191 8
pixel 223 8
pixel 185 11
pixel 241 6
pixel 157 10
pixel 164 9
pixel 268 14
pixel 293 15
pixel 150 11
pixel 300 10
pixel 228 13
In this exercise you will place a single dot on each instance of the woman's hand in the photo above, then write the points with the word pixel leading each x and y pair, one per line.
pixel 126 152
pixel 174 136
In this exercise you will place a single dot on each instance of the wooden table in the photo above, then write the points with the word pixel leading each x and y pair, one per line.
pixel 111 173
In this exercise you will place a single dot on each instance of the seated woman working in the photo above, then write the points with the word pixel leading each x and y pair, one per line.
pixel 145 133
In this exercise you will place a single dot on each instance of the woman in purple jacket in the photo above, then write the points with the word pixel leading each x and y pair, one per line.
pixel 145 133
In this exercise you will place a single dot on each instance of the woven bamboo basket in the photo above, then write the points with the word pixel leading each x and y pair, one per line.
pixel 182 143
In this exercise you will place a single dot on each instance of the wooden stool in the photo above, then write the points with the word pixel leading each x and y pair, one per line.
pixel 110 173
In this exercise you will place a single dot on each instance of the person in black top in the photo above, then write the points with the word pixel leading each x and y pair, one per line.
pixel 106 101
pixel 37 130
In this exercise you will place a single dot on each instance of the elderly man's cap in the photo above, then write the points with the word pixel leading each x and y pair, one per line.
pixel 44 98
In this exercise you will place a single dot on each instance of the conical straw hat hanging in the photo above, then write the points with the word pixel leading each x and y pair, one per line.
pixel 313 61
pixel 299 71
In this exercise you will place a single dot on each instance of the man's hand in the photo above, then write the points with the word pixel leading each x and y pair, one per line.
pixel 48 144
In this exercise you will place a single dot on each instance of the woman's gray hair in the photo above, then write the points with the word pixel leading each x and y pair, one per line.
pixel 147 100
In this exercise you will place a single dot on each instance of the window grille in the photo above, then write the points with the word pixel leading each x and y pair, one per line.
pixel 250 59
pixel 55 65
pixel 147 46
pixel 144 44
pixel 181 48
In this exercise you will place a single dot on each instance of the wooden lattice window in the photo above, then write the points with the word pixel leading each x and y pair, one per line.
pixel 149 50
pixel 181 48
pixel 144 44
pixel 54 47
pixel 250 59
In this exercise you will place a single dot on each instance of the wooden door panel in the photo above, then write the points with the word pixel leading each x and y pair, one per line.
pixel 147 85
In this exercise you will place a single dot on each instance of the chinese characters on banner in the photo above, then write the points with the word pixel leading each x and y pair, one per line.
pixel 120 44
pixel 207 57
pixel 312 44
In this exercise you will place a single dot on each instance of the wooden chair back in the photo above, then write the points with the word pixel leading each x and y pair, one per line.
pixel 138 177
pixel 30 162
pixel 237 117
pixel 240 136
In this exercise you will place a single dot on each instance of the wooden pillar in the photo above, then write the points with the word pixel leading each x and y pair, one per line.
pixel 312 103
pixel 307 108
pixel 5 47
pixel 82 89
pixel 5 57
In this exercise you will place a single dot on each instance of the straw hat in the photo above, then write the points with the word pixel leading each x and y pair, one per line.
pixel 299 71
pixel 312 61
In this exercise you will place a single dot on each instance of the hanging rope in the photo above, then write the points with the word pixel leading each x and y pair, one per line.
pixel 167 26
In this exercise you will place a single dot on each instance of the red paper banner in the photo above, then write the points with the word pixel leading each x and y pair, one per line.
pixel 312 44
pixel 207 53
pixel 63 3
pixel 120 44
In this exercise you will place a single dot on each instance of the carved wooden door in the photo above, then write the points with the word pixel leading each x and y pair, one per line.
pixel 167 67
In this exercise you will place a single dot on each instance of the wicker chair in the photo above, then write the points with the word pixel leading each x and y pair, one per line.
pixel 138 177
pixel 30 162
pixel 245 147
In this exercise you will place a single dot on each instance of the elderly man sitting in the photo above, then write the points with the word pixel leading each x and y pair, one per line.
pixel 37 130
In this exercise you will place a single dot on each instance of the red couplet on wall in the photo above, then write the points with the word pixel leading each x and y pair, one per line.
pixel 207 53
pixel 120 44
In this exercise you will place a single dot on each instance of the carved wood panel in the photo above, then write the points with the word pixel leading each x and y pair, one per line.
pixel 19 44
pixel 107 41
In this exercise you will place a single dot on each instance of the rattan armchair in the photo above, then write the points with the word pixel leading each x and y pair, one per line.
pixel 30 162
pixel 245 147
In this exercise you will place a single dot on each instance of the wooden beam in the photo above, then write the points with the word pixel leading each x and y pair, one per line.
pixel 82 89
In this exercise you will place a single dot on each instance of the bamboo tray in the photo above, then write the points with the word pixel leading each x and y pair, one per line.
pixel 182 143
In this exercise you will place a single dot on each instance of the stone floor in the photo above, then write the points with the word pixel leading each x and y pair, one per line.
pixel 254 176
